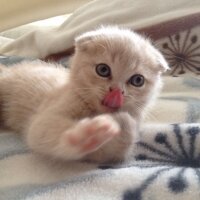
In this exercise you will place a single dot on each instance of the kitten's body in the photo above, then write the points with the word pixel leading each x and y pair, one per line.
pixel 60 112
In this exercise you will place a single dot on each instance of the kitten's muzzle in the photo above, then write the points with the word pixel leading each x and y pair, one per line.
pixel 114 98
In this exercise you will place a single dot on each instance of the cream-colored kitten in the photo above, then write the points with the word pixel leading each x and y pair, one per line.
pixel 91 111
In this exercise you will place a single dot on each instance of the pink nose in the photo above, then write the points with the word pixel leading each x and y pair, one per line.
pixel 112 88
pixel 114 98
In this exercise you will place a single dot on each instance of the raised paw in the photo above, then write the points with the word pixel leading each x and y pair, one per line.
pixel 90 134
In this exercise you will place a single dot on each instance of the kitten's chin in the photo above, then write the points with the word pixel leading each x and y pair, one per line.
pixel 106 109
pixel 100 108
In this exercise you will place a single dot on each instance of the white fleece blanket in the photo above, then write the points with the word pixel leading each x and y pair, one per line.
pixel 165 163
pixel 166 167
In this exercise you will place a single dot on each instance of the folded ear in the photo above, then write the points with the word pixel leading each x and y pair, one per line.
pixel 83 42
pixel 161 61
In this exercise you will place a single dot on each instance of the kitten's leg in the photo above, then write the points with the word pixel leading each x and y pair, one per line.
pixel 63 138
pixel 91 133
pixel 121 146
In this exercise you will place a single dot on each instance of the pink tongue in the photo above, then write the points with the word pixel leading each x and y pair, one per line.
pixel 113 99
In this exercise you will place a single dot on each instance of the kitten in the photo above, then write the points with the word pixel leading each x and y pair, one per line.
pixel 91 111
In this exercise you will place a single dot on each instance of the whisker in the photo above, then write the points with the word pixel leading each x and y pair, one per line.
pixel 139 108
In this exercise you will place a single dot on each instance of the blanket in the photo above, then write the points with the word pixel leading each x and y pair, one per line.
pixel 173 25
pixel 164 164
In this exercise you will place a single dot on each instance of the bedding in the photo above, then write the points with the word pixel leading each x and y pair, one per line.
pixel 173 26
pixel 4 40
pixel 165 162
pixel 22 12
pixel 165 165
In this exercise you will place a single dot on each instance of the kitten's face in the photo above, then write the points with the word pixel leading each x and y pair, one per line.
pixel 124 63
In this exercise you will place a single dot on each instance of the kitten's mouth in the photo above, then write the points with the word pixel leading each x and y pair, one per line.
pixel 108 108
pixel 113 100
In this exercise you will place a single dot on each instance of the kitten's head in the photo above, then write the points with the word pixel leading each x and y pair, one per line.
pixel 116 69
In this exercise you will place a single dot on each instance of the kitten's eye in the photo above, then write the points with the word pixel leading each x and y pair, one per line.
pixel 103 70
pixel 137 80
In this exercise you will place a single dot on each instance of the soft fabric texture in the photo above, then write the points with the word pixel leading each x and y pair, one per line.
pixel 173 25
pixel 21 12
pixel 164 164
pixel 18 31
pixel 4 40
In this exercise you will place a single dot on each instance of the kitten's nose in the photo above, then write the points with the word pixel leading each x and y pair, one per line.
pixel 114 98
pixel 116 88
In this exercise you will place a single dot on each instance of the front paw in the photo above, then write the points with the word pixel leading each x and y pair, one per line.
pixel 126 122
pixel 120 147
pixel 129 131
pixel 90 134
